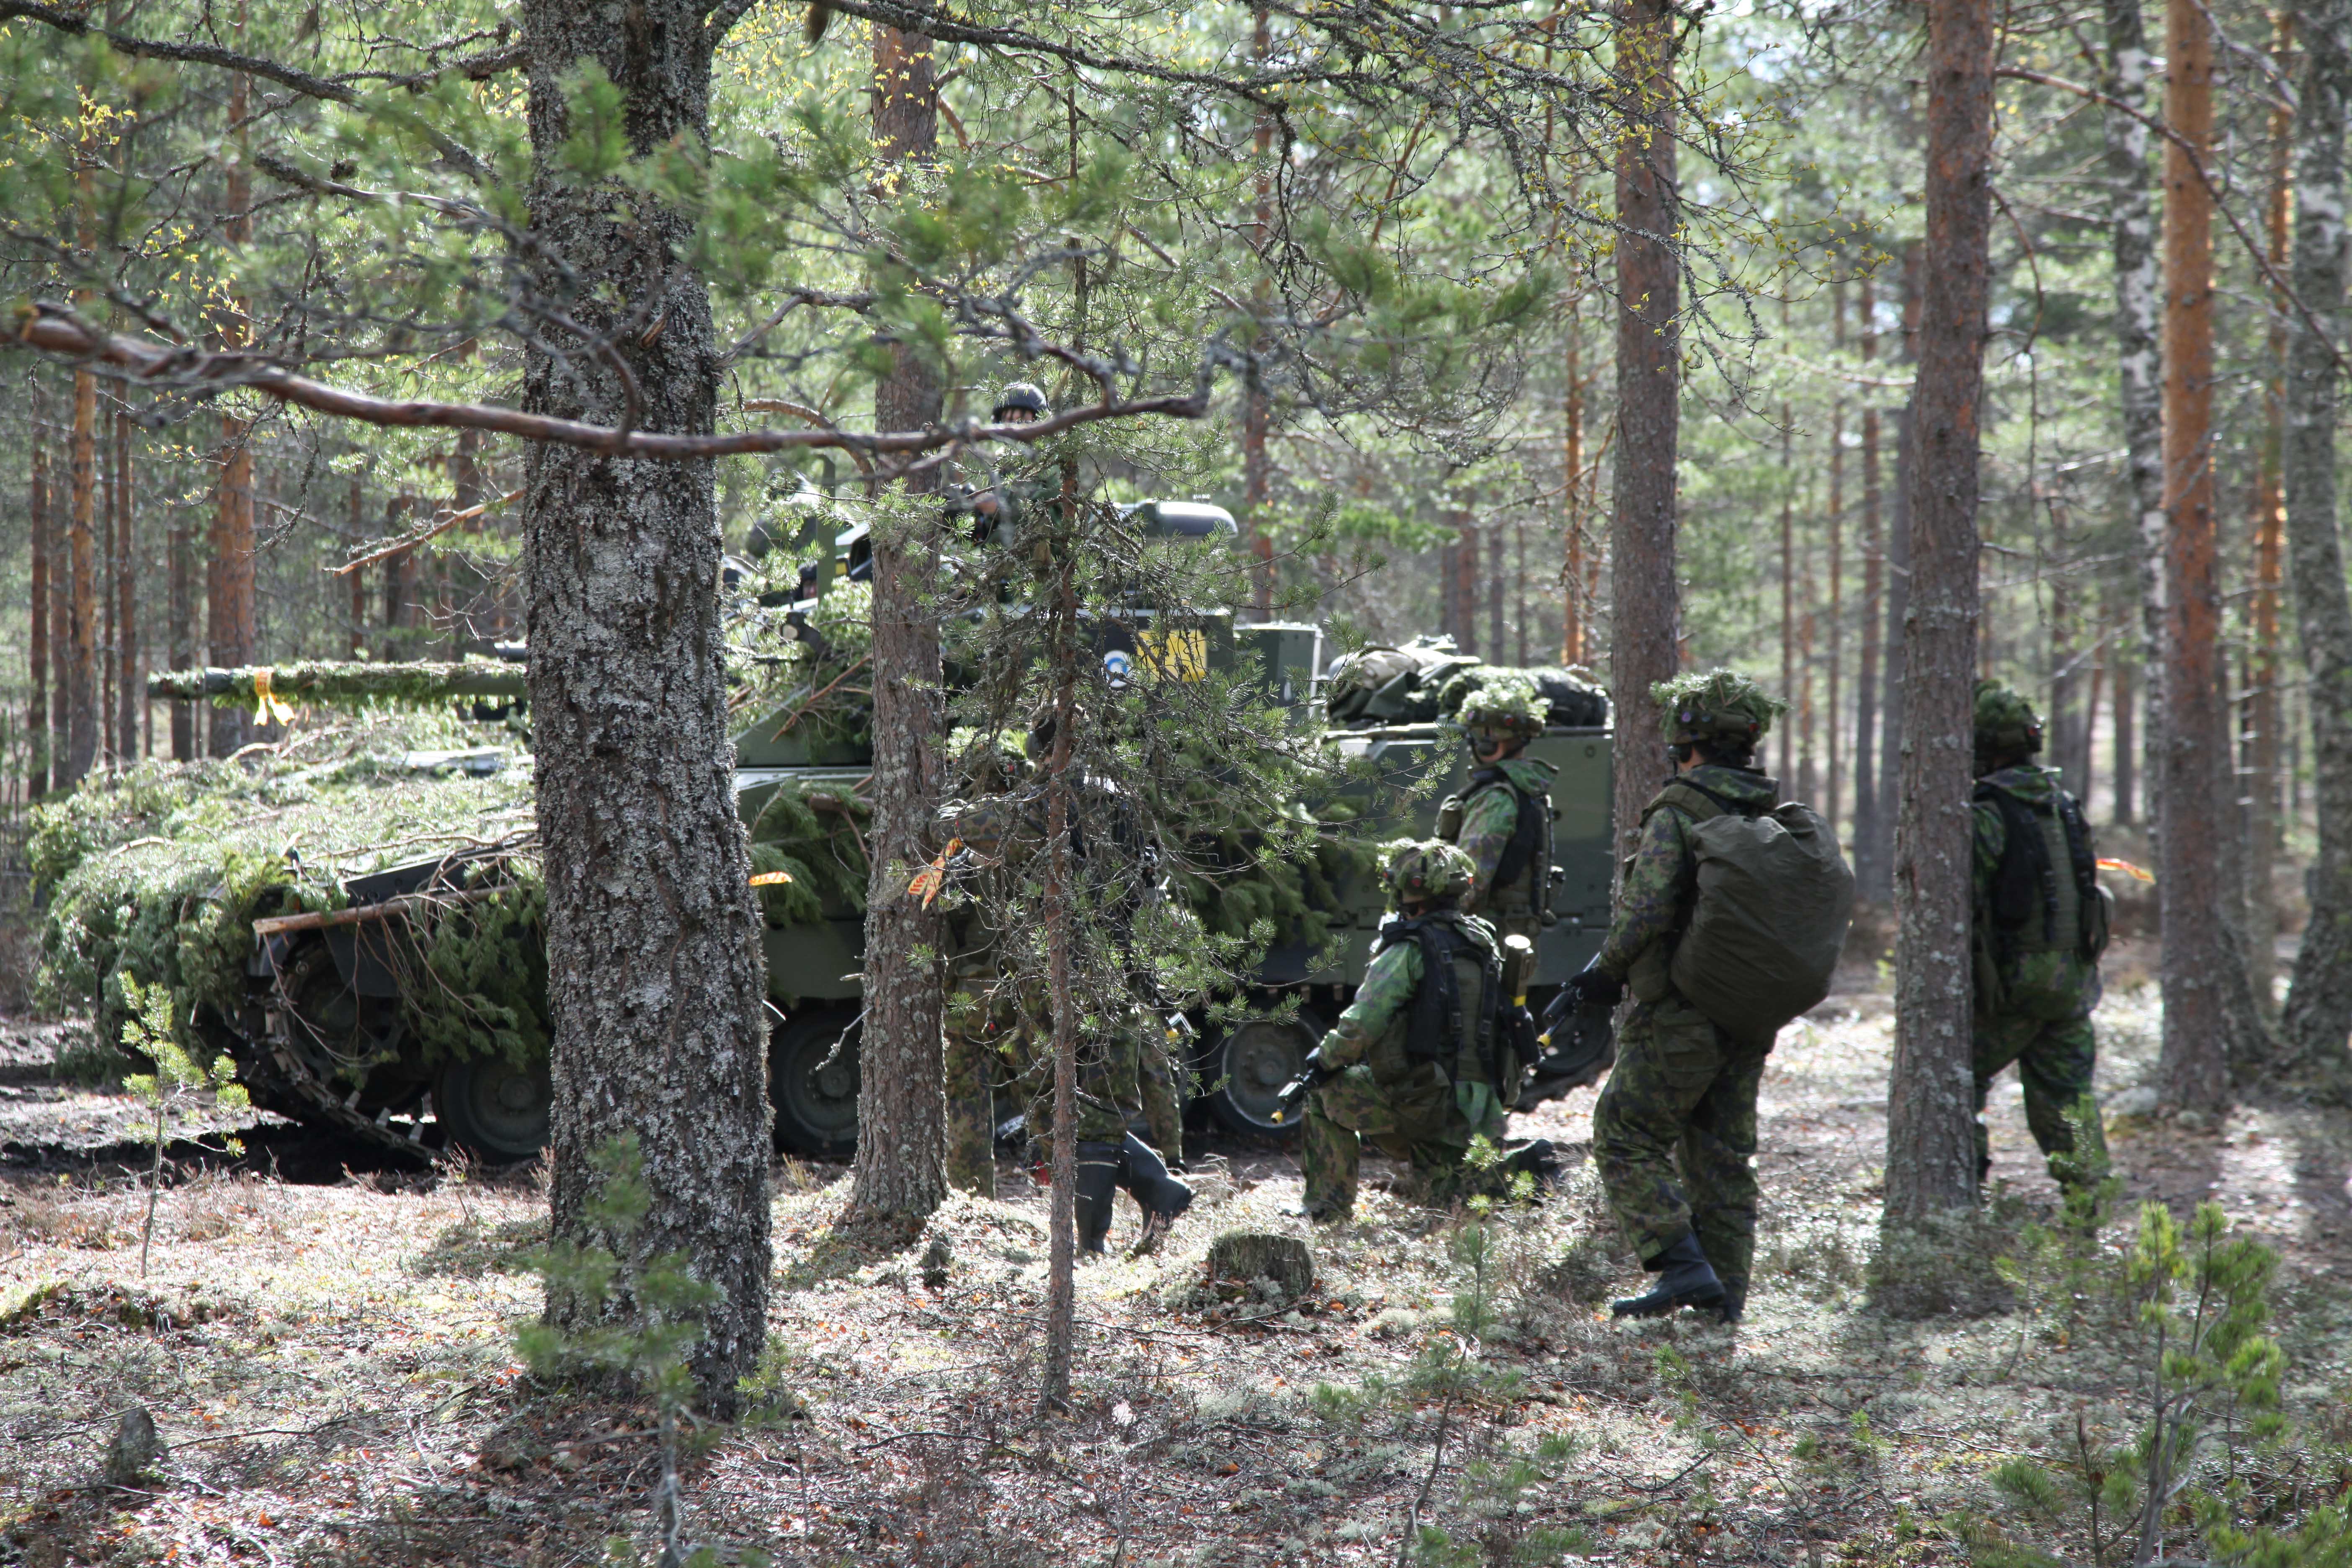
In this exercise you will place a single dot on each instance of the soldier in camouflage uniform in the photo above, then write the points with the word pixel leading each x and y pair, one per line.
pixel 999 510
pixel 1416 1076
pixel 1503 821
pixel 1673 1131
pixel 2040 923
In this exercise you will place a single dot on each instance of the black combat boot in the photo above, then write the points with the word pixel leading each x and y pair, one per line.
pixel 1686 1278
pixel 1538 1159
pixel 1160 1195
pixel 1099 1167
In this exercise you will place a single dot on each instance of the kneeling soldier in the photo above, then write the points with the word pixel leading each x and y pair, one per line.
pixel 1413 1063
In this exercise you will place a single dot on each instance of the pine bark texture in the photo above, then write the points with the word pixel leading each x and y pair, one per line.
pixel 2196 742
pixel 37 710
pixel 130 690
pixel 1645 613
pixel 81 613
pixel 2318 1013
pixel 1880 888
pixel 181 653
pixel 229 575
pixel 1930 1148
pixel 1865 835
pixel 655 973
pixel 901 1166
pixel 2140 381
pixel 228 579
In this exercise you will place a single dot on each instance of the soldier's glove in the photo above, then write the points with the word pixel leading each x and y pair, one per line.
pixel 1588 987
pixel 1290 1104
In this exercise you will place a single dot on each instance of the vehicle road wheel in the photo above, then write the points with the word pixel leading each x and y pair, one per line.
pixel 815 1098
pixel 495 1108
pixel 1249 1068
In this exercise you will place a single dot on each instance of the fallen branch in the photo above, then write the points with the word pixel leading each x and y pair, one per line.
pixel 416 536
pixel 323 920
pixel 58 330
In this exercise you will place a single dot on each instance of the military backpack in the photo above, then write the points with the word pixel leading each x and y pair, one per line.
pixel 1775 896
pixel 2045 895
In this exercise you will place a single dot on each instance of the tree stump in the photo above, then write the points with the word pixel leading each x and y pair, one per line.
pixel 1250 1255
pixel 135 1448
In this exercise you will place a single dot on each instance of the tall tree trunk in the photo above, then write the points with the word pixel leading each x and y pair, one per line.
pixel 1644 609
pixel 1930 1145
pixel 1257 483
pixel 81 669
pixel 228 601
pixel 1864 835
pixel 654 978
pixel 110 508
pixel 183 656
pixel 2262 707
pixel 2126 749
pixel 2318 1015
pixel 1834 708
pixel 1464 612
pixel 130 688
pixel 1788 733
pixel 36 714
pixel 2189 807
pixel 1497 575
pixel 1061 916
pixel 1898 602
pixel 2138 369
pixel 356 639
pixel 1571 494
pixel 901 1170
pixel 2061 723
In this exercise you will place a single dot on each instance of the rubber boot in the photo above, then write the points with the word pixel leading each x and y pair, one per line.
pixel 1160 1195
pixel 1099 1165
pixel 1686 1278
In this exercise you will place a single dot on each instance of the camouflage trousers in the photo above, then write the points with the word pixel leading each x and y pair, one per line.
pixel 2055 1060
pixel 1673 1135
pixel 978 1031
pixel 989 1046
pixel 1427 1124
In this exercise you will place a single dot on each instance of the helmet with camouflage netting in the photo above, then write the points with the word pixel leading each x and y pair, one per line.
pixel 1025 395
pixel 2006 727
pixel 1506 711
pixel 1721 709
pixel 1428 869
pixel 983 825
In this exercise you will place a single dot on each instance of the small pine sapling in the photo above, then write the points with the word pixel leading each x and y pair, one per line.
pixel 177 1084
pixel 2200 1300
pixel 648 1320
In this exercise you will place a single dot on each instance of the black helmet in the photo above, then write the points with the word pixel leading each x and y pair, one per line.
pixel 1019 395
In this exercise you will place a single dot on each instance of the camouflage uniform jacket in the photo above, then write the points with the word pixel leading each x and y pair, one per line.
pixel 1377 1019
pixel 1662 874
pixel 2033 975
pixel 1490 814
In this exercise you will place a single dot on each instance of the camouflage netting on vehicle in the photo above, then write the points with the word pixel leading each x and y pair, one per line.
pixel 804 666
pixel 344 683
pixel 162 870
pixel 1425 681
pixel 816 836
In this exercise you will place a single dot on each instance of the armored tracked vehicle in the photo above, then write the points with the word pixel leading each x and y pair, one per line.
pixel 402 1003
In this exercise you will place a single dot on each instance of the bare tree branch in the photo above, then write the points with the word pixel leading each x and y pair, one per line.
pixel 55 329
pixel 2204 177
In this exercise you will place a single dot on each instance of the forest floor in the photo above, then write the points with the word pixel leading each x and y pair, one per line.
pixel 332 1361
